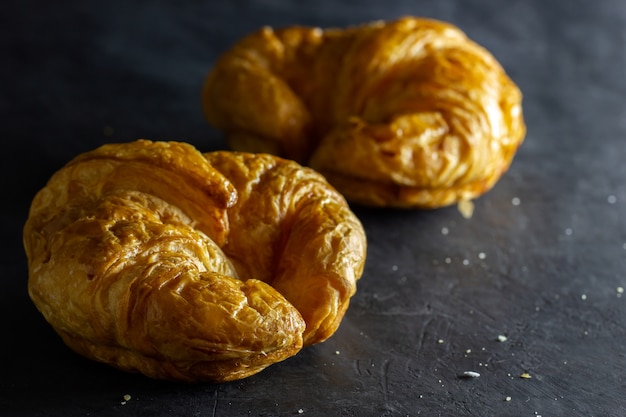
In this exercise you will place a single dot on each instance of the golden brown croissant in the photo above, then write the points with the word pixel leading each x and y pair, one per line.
pixel 408 113
pixel 152 257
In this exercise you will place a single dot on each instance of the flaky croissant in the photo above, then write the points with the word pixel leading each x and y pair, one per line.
pixel 407 113
pixel 153 257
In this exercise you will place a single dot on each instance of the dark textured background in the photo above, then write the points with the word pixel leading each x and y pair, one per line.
pixel 77 74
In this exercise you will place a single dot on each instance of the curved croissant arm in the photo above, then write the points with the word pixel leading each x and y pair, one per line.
pixel 313 256
pixel 143 256
pixel 408 113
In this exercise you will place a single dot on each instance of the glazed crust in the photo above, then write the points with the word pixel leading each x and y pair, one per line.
pixel 153 257
pixel 407 113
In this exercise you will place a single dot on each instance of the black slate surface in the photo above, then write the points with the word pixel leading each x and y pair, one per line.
pixel 542 260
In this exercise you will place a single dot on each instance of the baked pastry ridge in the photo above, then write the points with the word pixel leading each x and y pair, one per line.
pixel 148 257
pixel 406 113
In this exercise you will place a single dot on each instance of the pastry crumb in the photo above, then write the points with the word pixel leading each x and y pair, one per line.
pixel 507 399
pixel 469 374
pixel 502 338
pixel 466 208
pixel 525 375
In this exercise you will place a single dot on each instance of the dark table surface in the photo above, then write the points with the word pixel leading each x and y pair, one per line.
pixel 542 261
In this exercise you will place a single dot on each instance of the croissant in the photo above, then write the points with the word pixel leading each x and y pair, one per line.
pixel 407 113
pixel 152 257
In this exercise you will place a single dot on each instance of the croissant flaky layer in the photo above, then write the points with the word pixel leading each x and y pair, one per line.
pixel 153 257
pixel 406 113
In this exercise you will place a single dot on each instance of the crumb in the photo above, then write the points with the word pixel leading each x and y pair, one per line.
pixel 300 411
pixel 445 230
pixel 337 352
pixel 502 338
pixel 525 375
pixel 469 374
pixel 482 255
pixel 583 297
pixel 466 208
pixel 468 351
pixel 620 290
pixel 465 262
pixel 440 341
pixel 127 397
pixel 507 399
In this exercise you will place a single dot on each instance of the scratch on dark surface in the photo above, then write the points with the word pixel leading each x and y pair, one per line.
pixel 357 367
pixel 215 402
pixel 359 370
pixel 419 343
pixel 384 382
pixel 478 311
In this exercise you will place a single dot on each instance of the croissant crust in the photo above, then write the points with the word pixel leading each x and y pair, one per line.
pixel 153 257
pixel 406 113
